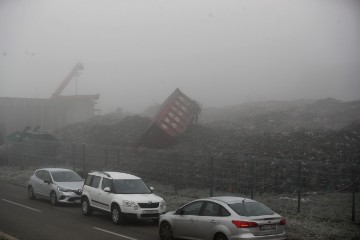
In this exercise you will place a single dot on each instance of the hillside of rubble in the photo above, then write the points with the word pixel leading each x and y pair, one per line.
pixel 278 129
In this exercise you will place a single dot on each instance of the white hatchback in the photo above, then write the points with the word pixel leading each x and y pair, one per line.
pixel 123 195
pixel 59 185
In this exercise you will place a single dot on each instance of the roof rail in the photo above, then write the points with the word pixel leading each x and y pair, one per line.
pixel 102 172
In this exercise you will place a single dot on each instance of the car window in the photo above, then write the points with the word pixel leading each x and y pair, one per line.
pixel 131 186
pixel 40 174
pixel 251 209
pixel 66 176
pixel 212 209
pixel 192 208
pixel 95 182
pixel 106 183
pixel 46 175
pixel 224 212
pixel 88 179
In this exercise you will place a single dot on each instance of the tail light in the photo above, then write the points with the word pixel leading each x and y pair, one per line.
pixel 244 224
pixel 282 221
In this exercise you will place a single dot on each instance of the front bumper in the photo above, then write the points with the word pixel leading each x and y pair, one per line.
pixel 143 214
pixel 68 197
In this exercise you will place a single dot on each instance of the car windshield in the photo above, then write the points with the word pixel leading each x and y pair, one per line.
pixel 66 176
pixel 131 186
pixel 251 209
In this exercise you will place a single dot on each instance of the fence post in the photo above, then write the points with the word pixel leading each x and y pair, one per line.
pixel 353 194
pixel 212 177
pixel 7 154
pixel 299 187
pixel 176 173
pixel 54 155
pixel 83 158
pixel 106 156
pixel 117 158
pixel 252 179
pixel 73 155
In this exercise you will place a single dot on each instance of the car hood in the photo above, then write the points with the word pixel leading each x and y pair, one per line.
pixel 140 198
pixel 70 185
pixel 168 216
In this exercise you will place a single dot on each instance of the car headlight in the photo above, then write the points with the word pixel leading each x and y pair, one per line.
pixel 130 204
pixel 63 189
pixel 162 204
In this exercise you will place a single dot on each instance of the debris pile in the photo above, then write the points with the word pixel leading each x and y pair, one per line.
pixel 316 130
pixel 106 130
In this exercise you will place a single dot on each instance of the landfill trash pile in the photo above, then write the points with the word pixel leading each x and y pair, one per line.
pixel 292 130
pixel 283 116
pixel 123 131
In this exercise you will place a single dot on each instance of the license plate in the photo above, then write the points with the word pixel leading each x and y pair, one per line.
pixel 268 227
pixel 150 211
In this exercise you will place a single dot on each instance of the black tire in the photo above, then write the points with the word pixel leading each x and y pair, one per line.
pixel 85 207
pixel 53 198
pixel 116 215
pixel 165 231
pixel 220 236
pixel 31 194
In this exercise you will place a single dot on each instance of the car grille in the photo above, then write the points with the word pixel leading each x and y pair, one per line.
pixel 149 205
pixel 150 215
pixel 73 199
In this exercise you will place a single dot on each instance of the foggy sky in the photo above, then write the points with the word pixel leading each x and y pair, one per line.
pixel 135 53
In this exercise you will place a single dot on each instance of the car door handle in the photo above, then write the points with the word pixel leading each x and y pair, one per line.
pixel 213 221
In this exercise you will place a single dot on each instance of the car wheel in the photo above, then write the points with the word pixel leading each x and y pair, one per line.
pixel 165 231
pixel 53 198
pixel 85 207
pixel 116 215
pixel 220 236
pixel 31 195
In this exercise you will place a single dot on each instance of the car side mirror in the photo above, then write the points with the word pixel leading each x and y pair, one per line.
pixel 180 211
pixel 48 181
pixel 152 189
pixel 107 189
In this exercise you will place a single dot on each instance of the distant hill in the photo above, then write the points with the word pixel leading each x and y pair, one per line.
pixel 282 116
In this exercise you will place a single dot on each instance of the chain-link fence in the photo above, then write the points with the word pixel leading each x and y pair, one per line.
pixel 211 173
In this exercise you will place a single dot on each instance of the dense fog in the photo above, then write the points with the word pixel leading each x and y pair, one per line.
pixel 135 53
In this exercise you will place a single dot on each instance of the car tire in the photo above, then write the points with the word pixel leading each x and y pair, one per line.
pixel 165 231
pixel 53 198
pixel 85 207
pixel 220 236
pixel 116 215
pixel 31 194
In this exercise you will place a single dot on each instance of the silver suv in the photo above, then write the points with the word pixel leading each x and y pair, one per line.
pixel 121 194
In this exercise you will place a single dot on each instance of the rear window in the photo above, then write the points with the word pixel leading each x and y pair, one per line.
pixel 88 180
pixel 251 209
pixel 39 174
pixel 95 182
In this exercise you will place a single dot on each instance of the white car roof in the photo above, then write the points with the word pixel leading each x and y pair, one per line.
pixel 116 175
pixel 55 169
pixel 231 199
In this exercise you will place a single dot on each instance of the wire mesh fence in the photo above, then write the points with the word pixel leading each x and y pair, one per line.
pixel 209 173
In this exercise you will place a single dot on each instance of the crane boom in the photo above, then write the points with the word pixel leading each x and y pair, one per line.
pixel 64 83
